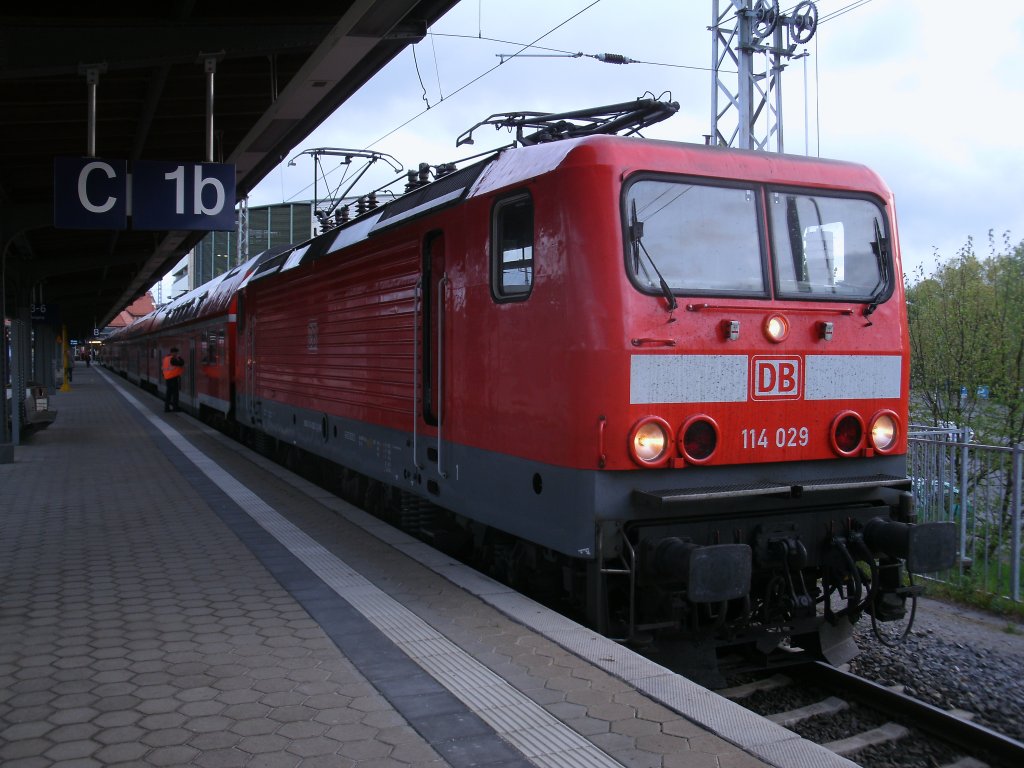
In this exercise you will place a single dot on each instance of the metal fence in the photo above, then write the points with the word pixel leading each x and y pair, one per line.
pixel 979 488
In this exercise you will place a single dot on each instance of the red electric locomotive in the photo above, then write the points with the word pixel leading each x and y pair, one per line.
pixel 670 379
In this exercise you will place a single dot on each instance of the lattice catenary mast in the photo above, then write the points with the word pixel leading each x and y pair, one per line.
pixel 242 246
pixel 759 41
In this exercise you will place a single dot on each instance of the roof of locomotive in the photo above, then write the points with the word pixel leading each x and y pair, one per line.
pixel 514 166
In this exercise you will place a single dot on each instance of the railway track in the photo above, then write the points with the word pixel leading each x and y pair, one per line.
pixel 871 725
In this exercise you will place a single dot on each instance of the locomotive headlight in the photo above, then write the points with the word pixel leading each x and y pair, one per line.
pixel 776 328
pixel 649 441
pixel 847 433
pixel 698 439
pixel 885 431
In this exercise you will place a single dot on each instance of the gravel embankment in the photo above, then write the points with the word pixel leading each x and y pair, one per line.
pixel 954 658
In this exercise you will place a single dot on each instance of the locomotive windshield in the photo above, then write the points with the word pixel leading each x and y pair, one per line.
pixel 702 238
pixel 829 247
pixel 712 239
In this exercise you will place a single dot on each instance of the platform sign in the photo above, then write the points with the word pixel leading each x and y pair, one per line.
pixel 167 195
pixel 93 193
pixel 45 313
pixel 90 193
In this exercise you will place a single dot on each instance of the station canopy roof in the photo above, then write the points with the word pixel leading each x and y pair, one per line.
pixel 279 70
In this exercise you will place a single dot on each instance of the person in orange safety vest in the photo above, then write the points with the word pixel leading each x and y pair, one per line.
pixel 173 367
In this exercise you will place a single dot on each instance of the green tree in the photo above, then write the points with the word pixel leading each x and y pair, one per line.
pixel 967 331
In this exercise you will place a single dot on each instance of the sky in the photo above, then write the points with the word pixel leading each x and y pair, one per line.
pixel 929 95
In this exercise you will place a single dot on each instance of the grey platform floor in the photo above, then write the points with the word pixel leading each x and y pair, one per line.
pixel 168 598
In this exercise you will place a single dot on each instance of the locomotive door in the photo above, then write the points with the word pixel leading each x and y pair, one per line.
pixel 432 333
pixel 249 369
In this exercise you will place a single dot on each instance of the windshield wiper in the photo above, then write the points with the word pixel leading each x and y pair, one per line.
pixel 636 234
pixel 881 250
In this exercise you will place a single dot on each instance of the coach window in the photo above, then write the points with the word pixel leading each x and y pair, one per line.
pixel 698 238
pixel 829 247
pixel 512 259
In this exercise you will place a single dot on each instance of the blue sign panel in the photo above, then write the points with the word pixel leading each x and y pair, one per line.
pixel 168 195
pixel 89 193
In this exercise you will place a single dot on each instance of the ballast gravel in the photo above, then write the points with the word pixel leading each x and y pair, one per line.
pixel 954 658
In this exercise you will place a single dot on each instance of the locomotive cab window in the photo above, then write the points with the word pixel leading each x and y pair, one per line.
pixel 698 238
pixel 829 247
pixel 512 258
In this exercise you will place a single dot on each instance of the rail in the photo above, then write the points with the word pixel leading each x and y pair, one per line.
pixel 940 723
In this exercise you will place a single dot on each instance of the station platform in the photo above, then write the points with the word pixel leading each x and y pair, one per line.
pixel 169 598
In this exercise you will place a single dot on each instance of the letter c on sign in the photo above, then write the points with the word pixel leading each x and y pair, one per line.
pixel 83 182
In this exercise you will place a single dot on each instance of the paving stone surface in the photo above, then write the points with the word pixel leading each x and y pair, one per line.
pixel 136 629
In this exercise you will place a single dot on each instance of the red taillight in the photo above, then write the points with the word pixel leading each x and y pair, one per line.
pixel 698 439
pixel 847 433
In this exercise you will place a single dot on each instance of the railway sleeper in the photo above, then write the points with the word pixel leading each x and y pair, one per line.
pixel 829 706
pixel 745 690
pixel 881 735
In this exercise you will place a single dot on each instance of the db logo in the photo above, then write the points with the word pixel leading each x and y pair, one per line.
pixel 775 378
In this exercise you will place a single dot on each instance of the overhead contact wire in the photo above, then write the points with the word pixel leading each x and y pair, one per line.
pixel 487 72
